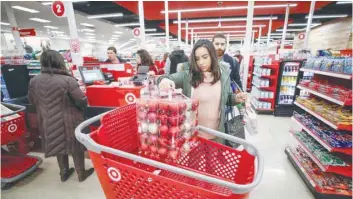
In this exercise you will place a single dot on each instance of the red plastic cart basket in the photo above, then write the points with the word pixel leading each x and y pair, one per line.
pixel 15 167
pixel 209 171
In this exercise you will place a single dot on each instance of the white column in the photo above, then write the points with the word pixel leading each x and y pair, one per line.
pixel 14 28
pixel 142 23
pixel 187 34
pixel 269 30
pixel 259 36
pixel 247 42
pixel 228 38
pixel 166 16
pixel 308 26
pixel 285 27
pixel 69 10
pixel 179 28
pixel 192 37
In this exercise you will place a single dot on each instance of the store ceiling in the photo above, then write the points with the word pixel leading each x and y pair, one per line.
pixel 155 19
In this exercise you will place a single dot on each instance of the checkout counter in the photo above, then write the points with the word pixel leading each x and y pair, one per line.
pixel 106 88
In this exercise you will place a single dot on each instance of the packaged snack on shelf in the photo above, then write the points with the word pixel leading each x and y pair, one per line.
pixel 327 64
pixel 317 63
pixel 347 67
pixel 337 65
pixel 167 125
pixel 310 62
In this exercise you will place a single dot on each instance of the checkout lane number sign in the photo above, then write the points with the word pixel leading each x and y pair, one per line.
pixel 130 98
pixel 58 8
pixel 136 32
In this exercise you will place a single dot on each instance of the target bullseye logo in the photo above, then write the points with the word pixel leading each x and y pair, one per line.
pixel 136 32
pixel 130 98
pixel 301 36
pixel 114 174
pixel 12 128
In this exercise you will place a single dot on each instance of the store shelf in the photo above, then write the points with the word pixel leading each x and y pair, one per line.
pixel 310 181
pixel 264 76
pixel 260 109
pixel 327 146
pixel 330 74
pixel 334 126
pixel 325 96
pixel 264 99
pixel 262 87
pixel 293 74
pixel 345 171
pixel 271 66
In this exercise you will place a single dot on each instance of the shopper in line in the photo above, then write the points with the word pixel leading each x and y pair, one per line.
pixel 208 81
pixel 220 41
pixel 59 102
pixel 238 56
pixel 161 70
pixel 143 58
pixel 176 57
pixel 113 56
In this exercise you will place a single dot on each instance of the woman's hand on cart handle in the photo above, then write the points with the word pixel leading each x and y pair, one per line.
pixel 241 97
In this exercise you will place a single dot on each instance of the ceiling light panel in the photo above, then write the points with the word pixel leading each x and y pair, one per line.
pixel 88 30
pixel 87 24
pixel 150 30
pixel 51 27
pixel 303 24
pixel 25 9
pixel 40 20
pixel 86 33
pixel 155 34
pixel 224 32
pixel 225 19
pixel 118 32
pixel 326 16
pixel 127 24
pixel 344 2
pixel 47 3
pixel 290 30
pixel 224 27
pixel 105 15
pixel 4 24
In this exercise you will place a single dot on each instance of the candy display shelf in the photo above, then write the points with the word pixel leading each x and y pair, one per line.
pixel 264 76
pixel 271 66
pixel 327 146
pixel 330 74
pixel 260 109
pixel 267 88
pixel 263 99
pixel 342 170
pixel 336 101
pixel 318 116
pixel 308 177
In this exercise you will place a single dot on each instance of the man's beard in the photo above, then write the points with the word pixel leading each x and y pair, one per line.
pixel 220 52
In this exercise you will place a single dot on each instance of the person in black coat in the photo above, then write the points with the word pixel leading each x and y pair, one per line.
pixel 220 41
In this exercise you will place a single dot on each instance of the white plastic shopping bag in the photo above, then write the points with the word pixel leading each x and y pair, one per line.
pixel 250 121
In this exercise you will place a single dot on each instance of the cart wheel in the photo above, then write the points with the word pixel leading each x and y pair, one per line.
pixel 6 186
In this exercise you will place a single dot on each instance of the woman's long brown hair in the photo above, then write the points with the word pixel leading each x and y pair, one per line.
pixel 146 59
pixel 196 74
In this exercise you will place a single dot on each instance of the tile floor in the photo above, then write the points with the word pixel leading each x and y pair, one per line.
pixel 280 180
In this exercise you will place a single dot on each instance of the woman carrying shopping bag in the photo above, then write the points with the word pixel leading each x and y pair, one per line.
pixel 208 81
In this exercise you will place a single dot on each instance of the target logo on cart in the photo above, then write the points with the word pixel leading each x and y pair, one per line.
pixel 130 98
pixel 12 128
pixel 136 32
pixel 114 174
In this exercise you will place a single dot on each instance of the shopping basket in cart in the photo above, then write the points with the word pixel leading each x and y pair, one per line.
pixel 209 171
pixel 14 167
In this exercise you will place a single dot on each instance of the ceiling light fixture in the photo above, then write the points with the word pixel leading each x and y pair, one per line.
pixel 86 33
pixel 51 27
pixel 115 36
pixel 225 19
pixel 59 32
pixel 88 30
pixel 25 9
pixel 155 34
pixel 87 24
pixel 344 2
pixel 163 37
pixel 224 32
pixel 280 34
pixel 47 3
pixel 40 20
pixel 224 27
pixel 4 24
pixel 105 15
pixel 118 32
pixel 230 8
pixel 326 16
pixel 127 24
pixel 303 24
pixel 150 30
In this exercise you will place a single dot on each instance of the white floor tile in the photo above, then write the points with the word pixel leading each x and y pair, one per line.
pixel 280 180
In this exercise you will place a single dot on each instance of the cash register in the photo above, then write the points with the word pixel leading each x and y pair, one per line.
pixel 141 75
pixel 94 75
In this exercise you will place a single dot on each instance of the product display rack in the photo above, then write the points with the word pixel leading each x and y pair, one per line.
pixel 310 181
pixel 338 170
pixel 267 62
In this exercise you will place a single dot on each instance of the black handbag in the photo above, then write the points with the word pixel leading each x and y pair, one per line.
pixel 234 125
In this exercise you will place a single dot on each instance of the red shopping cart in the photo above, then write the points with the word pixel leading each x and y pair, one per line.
pixel 209 171
pixel 14 167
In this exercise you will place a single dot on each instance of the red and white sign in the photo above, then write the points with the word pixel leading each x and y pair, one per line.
pixel 301 36
pixel 12 128
pixel 130 98
pixel 75 45
pixel 58 8
pixel 136 32
pixel 27 32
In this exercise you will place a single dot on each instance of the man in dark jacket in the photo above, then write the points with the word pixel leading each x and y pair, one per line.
pixel 176 57
pixel 219 41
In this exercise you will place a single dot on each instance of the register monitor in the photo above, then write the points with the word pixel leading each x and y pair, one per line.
pixel 90 74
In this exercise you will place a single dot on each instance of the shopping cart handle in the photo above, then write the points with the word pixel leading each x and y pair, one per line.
pixel 15 107
pixel 91 145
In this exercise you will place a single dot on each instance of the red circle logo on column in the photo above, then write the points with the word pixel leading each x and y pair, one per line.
pixel 301 36
pixel 136 32
pixel 58 8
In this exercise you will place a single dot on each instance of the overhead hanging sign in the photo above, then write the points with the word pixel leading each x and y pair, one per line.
pixel 301 36
pixel 279 41
pixel 136 32
pixel 27 32
pixel 58 8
